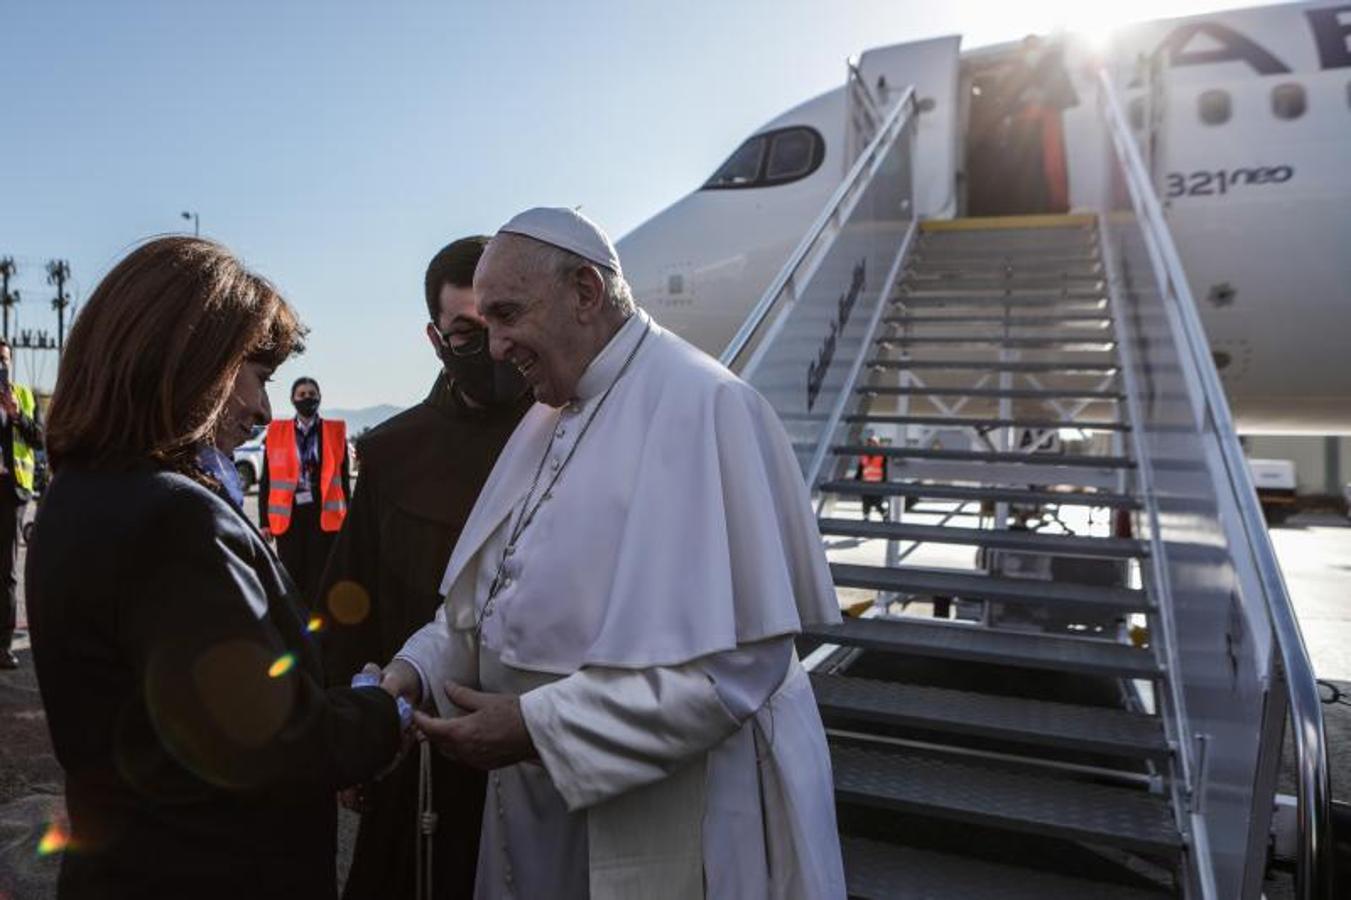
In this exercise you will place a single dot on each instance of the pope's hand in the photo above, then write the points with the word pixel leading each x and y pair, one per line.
pixel 490 736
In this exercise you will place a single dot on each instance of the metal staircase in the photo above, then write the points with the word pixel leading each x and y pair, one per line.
pixel 1070 656
pixel 1023 734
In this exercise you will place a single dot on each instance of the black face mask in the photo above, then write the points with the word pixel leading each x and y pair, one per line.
pixel 307 407
pixel 482 379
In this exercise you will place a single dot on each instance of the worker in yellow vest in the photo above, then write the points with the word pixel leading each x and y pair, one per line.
pixel 305 485
pixel 20 436
pixel 872 468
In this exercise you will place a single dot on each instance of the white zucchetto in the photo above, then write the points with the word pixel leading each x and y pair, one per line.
pixel 568 230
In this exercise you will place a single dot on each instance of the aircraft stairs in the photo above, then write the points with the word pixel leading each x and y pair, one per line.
pixel 973 759
pixel 1069 657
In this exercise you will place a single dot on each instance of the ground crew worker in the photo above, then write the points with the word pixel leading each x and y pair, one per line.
pixel 20 435
pixel 872 468
pixel 305 486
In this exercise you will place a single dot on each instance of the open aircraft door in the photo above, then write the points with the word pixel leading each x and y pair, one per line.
pixel 933 67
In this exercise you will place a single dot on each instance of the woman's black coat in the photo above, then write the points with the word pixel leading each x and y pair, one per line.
pixel 184 697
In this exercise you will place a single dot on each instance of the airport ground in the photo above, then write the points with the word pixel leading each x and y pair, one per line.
pixel 1315 555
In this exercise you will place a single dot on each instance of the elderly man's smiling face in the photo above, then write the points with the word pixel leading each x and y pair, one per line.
pixel 538 322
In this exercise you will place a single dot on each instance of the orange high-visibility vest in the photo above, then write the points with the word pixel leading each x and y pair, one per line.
pixel 872 467
pixel 283 467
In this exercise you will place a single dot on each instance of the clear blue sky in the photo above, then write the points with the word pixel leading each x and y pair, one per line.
pixel 336 145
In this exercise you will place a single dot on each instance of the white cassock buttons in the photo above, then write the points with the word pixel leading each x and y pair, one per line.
pixel 560 432
pixel 554 464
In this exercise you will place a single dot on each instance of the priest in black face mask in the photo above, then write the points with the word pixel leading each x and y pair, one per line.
pixel 421 472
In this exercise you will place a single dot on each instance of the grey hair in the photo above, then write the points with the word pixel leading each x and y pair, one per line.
pixel 559 264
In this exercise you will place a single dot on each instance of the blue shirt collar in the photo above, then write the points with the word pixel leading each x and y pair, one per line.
pixel 212 461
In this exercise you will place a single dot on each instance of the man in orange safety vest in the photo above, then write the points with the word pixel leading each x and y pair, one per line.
pixel 872 468
pixel 304 489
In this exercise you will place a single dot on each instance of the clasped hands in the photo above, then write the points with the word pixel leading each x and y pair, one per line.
pixel 490 735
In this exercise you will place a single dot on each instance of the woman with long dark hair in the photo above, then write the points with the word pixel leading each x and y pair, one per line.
pixel 182 687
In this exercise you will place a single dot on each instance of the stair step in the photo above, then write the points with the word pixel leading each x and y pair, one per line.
pixel 1027 459
pixel 985 256
pixel 965 259
pixel 988 237
pixel 1003 797
pixel 1054 262
pixel 1052 276
pixel 1001 294
pixel 974 643
pixel 968 365
pixel 1079 290
pixel 999 298
pixel 970 422
pixel 1012 245
pixel 979 494
pixel 1003 278
pixel 993 235
pixel 1031 541
pixel 876 870
pixel 1013 393
pixel 1030 591
pixel 1091 729
pixel 1026 267
pixel 1061 478
pixel 1061 340
pixel 987 319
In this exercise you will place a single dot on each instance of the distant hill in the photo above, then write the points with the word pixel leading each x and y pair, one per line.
pixel 358 420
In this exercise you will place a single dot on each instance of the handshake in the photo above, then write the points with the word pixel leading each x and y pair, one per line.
pixel 489 733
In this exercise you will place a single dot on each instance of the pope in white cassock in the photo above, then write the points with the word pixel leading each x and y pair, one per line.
pixel 616 642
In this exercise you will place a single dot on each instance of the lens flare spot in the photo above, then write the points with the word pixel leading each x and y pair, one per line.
pixel 315 624
pixel 54 840
pixel 283 664
pixel 349 603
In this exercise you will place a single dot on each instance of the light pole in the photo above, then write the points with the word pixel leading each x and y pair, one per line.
pixel 58 273
pixel 196 223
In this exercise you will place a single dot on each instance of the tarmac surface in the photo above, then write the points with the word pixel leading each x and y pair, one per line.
pixel 1315 555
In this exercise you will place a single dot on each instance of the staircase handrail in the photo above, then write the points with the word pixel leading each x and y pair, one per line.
pixel 1313 872
pixel 836 209
pixel 859 88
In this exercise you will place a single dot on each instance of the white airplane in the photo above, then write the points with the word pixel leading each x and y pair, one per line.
pixel 1250 149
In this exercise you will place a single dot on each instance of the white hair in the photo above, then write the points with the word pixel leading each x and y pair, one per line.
pixel 559 264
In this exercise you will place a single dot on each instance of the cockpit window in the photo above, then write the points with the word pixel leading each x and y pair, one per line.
pixel 790 155
pixel 742 168
pixel 775 157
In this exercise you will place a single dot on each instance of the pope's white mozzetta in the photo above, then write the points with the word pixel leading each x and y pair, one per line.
pixel 645 616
